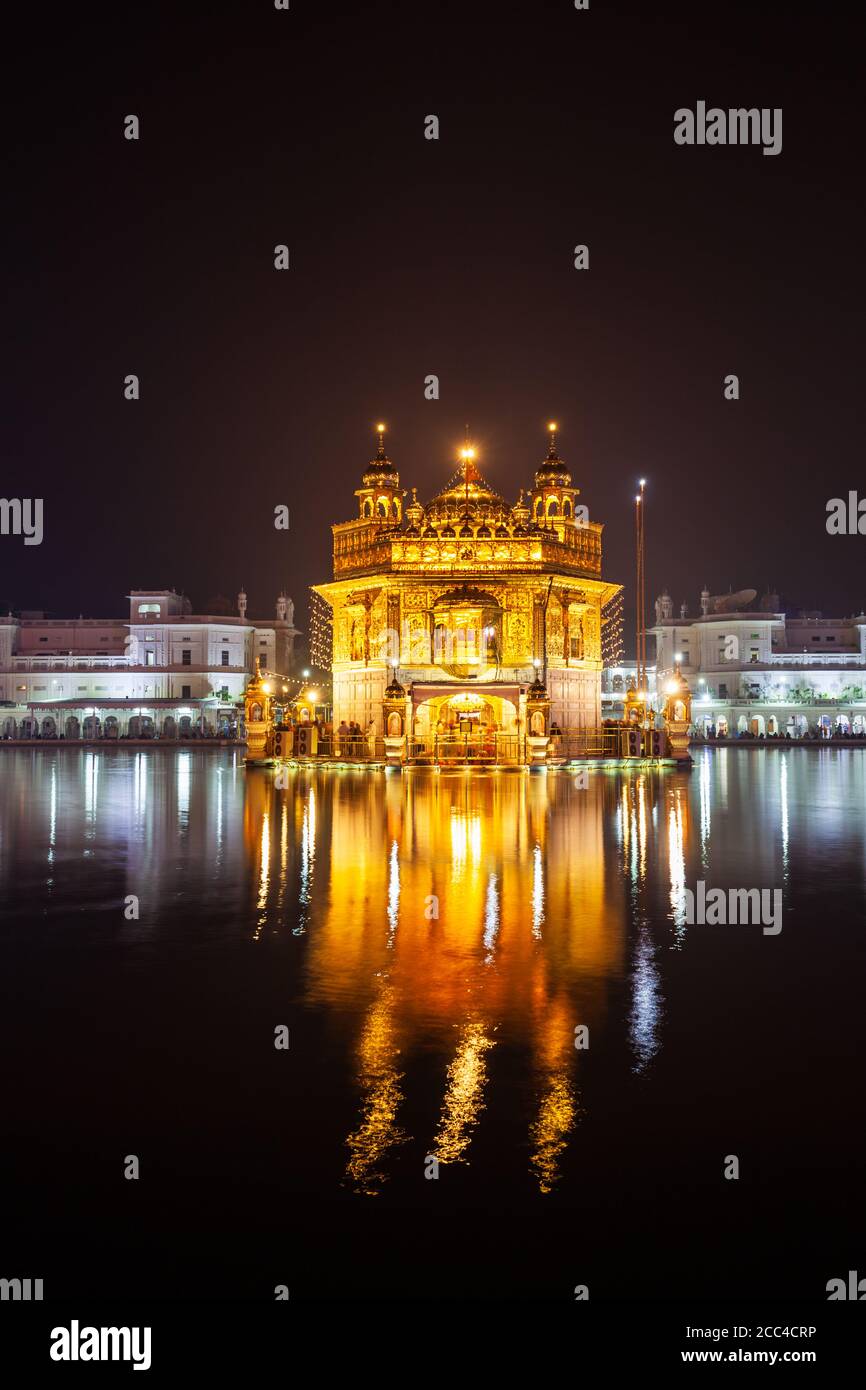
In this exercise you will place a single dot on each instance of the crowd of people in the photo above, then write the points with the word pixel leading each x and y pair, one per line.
pixel 812 735
pixel 112 736
pixel 352 741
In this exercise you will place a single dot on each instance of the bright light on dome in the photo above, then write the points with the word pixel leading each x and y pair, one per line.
pixel 671 688
pixel 267 687
pixel 552 426
pixel 312 696
pixel 381 429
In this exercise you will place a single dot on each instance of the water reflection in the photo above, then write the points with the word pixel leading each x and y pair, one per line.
pixel 461 914
pixel 451 931
pixel 379 1080
pixel 464 1093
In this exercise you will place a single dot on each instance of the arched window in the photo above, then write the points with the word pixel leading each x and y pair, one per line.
pixel 383 507
pixel 553 508
pixel 368 508
pixel 566 507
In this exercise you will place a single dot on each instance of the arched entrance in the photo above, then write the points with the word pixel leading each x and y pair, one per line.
pixel 460 726
pixel 73 728
pixel 112 726
pixel 140 726
pixel 757 726
pixel 10 728
pixel 92 727
pixel 169 727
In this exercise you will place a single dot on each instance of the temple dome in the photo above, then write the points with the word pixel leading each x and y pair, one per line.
pixel 467 494
pixel 380 469
pixel 553 472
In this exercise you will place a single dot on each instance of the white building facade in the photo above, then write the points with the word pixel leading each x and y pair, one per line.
pixel 760 672
pixel 162 672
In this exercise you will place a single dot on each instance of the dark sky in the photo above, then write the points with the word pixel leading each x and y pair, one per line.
pixel 411 257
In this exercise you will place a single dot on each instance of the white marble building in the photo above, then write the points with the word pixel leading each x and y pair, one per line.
pixel 758 671
pixel 162 671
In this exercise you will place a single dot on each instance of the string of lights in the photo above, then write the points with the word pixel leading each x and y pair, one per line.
pixel 321 633
pixel 613 631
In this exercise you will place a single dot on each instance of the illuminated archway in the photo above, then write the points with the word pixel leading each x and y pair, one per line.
pixel 480 724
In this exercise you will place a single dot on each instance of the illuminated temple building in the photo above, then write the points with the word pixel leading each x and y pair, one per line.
pixel 461 612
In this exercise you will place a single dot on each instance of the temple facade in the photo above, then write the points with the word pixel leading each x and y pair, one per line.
pixel 464 610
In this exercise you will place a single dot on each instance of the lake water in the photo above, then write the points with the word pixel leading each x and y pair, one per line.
pixel 431 942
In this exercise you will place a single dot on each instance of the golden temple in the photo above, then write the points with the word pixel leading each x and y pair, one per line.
pixel 468 613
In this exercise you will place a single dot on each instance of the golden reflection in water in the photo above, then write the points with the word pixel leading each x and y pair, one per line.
pixel 264 872
pixel 284 852
pixel 642 820
pixel 308 856
pixel 632 824
pixel 379 1079
pixel 465 839
pixel 463 1100
pixel 557 1104
pixel 450 912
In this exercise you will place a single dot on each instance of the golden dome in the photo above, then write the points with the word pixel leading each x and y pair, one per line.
pixel 467 493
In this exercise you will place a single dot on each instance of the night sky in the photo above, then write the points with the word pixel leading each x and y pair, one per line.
pixel 411 257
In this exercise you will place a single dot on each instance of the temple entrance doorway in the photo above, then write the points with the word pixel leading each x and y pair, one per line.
pixel 465 726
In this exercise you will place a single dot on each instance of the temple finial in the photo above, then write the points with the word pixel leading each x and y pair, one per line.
pixel 551 453
pixel 380 452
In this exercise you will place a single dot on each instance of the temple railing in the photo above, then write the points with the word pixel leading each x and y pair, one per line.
pixel 586 742
pixel 469 749
pixel 476 749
